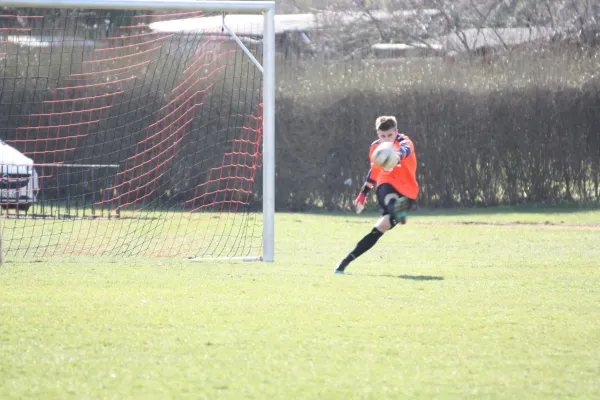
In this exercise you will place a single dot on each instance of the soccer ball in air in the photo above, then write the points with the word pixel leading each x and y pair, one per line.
pixel 385 155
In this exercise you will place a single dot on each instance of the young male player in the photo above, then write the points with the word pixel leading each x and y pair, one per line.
pixel 396 188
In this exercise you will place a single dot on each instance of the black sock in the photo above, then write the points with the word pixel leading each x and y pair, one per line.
pixel 364 244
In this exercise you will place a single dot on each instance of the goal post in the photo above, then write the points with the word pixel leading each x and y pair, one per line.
pixel 64 116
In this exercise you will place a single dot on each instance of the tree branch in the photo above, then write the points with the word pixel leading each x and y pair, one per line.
pixel 452 26
pixel 550 14
pixel 375 21
pixel 484 19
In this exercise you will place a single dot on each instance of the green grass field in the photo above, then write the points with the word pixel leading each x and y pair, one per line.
pixel 487 304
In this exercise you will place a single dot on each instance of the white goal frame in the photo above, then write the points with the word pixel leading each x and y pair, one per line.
pixel 267 8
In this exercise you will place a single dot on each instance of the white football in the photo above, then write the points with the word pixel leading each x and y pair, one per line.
pixel 385 155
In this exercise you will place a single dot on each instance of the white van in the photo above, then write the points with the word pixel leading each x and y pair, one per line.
pixel 19 183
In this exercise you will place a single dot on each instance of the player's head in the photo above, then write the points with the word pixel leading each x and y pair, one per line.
pixel 387 128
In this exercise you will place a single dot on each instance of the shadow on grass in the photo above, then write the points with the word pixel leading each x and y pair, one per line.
pixel 416 277
pixel 421 277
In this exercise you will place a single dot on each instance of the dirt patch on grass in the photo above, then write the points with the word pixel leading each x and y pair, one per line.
pixel 541 225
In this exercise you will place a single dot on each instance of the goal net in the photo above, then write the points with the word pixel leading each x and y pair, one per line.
pixel 136 130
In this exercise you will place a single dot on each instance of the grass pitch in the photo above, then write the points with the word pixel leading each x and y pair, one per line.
pixel 494 304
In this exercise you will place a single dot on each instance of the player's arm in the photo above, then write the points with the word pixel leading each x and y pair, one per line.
pixel 371 181
pixel 366 188
pixel 405 150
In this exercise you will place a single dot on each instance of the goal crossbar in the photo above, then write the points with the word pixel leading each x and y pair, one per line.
pixel 267 8
pixel 188 5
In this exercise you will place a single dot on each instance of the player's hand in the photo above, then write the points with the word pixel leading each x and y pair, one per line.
pixel 360 202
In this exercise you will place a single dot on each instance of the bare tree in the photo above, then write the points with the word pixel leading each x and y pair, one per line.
pixel 350 27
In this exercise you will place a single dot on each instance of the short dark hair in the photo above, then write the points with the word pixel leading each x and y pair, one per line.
pixel 385 123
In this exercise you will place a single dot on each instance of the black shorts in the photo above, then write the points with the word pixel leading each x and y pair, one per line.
pixel 385 190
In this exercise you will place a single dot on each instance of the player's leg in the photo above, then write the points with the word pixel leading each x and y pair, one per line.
pixel 385 194
pixel 364 244
pixel 399 209
pixel 396 204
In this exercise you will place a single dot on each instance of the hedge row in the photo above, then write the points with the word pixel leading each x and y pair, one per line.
pixel 529 144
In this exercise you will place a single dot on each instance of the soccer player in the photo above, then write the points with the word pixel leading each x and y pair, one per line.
pixel 396 188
